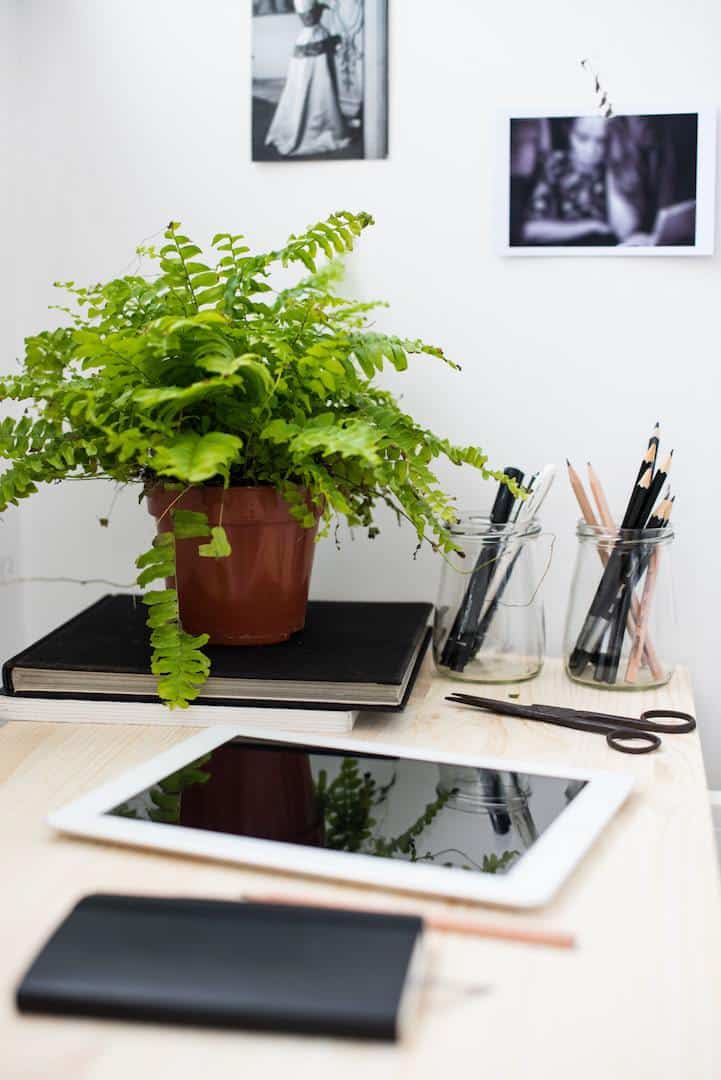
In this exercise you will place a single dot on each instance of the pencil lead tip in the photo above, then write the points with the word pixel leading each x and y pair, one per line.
pixel 568 463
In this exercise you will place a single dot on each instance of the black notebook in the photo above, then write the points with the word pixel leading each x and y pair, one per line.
pixel 224 964
pixel 350 654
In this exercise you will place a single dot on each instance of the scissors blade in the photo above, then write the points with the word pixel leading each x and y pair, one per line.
pixel 529 712
pixel 549 714
pixel 585 716
pixel 503 708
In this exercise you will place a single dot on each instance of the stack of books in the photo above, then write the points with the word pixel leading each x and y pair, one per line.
pixel 351 656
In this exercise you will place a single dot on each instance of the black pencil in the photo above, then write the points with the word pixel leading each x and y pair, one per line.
pixel 607 593
pixel 637 564
pixel 629 573
pixel 639 498
pixel 649 458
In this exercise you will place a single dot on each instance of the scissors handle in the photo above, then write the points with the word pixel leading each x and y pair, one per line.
pixel 645 723
pixel 621 739
pixel 686 721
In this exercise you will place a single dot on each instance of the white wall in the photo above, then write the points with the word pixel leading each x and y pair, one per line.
pixel 11 609
pixel 136 111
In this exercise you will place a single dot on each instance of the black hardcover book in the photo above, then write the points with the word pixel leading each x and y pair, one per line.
pixel 350 654
pixel 225 964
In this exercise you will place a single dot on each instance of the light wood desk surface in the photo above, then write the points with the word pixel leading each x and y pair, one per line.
pixel 639 999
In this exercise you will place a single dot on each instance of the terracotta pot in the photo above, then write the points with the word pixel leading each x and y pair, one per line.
pixel 256 596
pixel 262 792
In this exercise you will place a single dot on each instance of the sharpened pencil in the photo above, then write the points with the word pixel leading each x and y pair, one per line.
pixel 600 498
pixel 649 458
pixel 581 497
pixel 448 924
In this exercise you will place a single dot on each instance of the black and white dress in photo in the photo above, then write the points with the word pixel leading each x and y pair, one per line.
pixel 627 183
pixel 319 79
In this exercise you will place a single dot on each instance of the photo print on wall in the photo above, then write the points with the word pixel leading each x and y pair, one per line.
pixel 632 184
pixel 320 80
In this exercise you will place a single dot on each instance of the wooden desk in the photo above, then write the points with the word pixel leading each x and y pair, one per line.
pixel 640 998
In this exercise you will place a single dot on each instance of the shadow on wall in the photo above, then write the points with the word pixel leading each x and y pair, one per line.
pixel 12 635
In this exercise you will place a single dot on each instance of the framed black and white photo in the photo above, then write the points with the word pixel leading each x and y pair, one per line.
pixel 640 183
pixel 320 80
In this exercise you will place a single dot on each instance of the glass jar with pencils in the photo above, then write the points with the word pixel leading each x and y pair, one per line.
pixel 621 622
pixel 489 621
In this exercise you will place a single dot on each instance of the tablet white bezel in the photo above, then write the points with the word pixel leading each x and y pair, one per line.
pixel 530 883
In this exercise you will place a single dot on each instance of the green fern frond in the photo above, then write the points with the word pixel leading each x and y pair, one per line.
pixel 177 658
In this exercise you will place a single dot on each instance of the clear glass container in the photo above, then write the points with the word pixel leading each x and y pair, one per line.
pixel 489 620
pixel 621 630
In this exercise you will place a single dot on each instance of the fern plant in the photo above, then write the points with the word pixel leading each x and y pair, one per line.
pixel 346 806
pixel 204 373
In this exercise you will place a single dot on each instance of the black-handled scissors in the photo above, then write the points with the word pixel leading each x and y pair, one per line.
pixel 620 731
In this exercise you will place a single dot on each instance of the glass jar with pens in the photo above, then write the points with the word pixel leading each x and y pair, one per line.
pixel 489 621
pixel 621 622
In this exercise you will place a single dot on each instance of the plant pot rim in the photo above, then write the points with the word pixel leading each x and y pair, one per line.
pixel 173 485
pixel 238 504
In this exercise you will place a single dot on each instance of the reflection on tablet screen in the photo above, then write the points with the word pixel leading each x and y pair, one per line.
pixel 457 816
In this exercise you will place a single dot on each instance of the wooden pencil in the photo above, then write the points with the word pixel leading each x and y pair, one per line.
pixel 600 498
pixel 634 661
pixel 448 924
pixel 581 497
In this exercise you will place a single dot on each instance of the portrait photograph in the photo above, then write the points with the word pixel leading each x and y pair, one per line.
pixel 632 184
pixel 320 80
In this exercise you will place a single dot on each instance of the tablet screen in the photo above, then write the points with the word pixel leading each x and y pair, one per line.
pixel 457 816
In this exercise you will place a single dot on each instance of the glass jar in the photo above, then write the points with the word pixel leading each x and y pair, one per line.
pixel 489 621
pixel 621 622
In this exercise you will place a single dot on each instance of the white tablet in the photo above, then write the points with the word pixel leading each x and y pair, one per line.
pixel 460 825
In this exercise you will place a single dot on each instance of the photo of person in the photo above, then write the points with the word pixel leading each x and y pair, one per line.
pixel 620 182
pixel 319 79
